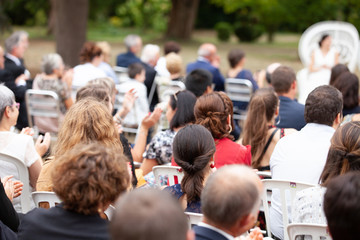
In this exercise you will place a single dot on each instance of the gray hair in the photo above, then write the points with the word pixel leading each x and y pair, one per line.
pixel 50 62
pixel 149 52
pixel 107 82
pixel 230 194
pixel 7 98
pixel 203 52
pixel 131 40
pixel 14 40
pixel 168 220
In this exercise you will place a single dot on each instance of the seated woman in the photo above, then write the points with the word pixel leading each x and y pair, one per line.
pixel 105 64
pixel 90 58
pixel 343 157
pixel 318 72
pixel 174 66
pixel 215 112
pixel 348 84
pixel 336 71
pixel 54 79
pixel 180 112
pixel 193 151
pixel 20 146
pixel 87 120
pixel 259 129
pixel 87 179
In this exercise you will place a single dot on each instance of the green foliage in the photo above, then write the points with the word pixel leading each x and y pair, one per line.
pixel 144 13
pixel 248 32
pixel 223 30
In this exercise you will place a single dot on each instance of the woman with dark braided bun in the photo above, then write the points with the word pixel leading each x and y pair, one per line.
pixel 343 157
pixel 215 112
pixel 193 151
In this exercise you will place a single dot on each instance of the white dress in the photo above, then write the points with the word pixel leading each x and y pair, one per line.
pixel 86 72
pixel 308 81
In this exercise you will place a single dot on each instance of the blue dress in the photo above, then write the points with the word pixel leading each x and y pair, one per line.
pixel 194 206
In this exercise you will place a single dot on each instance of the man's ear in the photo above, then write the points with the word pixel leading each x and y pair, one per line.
pixel 245 223
pixel 294 85
pixel 208 90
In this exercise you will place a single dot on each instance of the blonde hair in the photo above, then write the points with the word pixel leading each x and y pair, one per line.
pixel 87 121
pixel 106 49
pixel 173 63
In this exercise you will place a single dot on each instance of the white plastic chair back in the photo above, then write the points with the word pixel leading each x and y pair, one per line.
pixel 42 103
pixel 109 212
pixel 314 230
pixel 121 73
pixel 283 187
pixel 193 218
pixel 239 90
pixel 174 174
pixel 166 90
pixel 264 174
pixel 43 196
pixel 23 177
pixel 345 38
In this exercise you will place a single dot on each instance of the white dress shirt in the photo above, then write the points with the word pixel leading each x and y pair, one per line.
pixel 298 157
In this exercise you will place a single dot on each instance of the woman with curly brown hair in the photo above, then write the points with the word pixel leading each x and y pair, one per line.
pixel 86 121
pixel 215 112
pixel 343 157
pixel 90 57
pixel 193 151
pixel 259 130
pixel 87 179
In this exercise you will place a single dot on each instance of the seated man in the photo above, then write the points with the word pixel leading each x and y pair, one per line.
pixel 342 208
pixel 133 45
pixel 208 60
pixel 291 113
pixel 149 214
pixel 15 47
pixel 301 156
pixel 230 203
pixel 199 82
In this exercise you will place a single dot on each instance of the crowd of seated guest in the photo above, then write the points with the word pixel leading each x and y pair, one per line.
pixel 88 165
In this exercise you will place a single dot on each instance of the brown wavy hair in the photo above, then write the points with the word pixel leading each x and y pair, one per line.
pixel 89 177
pixel 261 110
pixel 87 121
pixel 193 148
pixel 344 152
pixel 212 110
pixel 89 51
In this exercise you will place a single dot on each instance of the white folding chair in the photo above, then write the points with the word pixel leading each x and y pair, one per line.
pixel 174 174
pixel 109 212
pixel 345 38
pixel 42 104
pixel 314 230
pixel 283 187
pixel 45 197
pixel 193 218
pixel 167 89
pixel 239 90
pixel 23 177
pixel 121 73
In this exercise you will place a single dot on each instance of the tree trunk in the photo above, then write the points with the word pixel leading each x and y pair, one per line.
pixel 182 18
pixel 70 28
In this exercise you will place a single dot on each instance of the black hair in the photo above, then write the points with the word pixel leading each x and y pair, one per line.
pixel 183 102
pixel 197 81
pixel 323 37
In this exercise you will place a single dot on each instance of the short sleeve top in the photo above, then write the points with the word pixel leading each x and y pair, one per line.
pixel 229 152
pixel 160 147
pixel 175 190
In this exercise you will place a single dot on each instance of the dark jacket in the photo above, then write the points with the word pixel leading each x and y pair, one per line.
pixel 203 233
pixel 291 114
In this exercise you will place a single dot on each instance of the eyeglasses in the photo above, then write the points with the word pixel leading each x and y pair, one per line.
pixel 175 95
pixel 17 105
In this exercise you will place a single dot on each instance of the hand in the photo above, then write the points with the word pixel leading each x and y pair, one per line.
pixel 129 100
pixel 42 144
pixel 255 235
pixel 151 119
pixel 8 187
pixel 118 127
pixel 18 187
pixel 20 80
pixel 27 131
pixel 215 61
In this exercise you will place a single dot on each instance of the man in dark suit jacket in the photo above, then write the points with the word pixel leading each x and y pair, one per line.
pixel 291 113
pixel 133 45
pixel 15 75
pixel 230 203
pixel 208 60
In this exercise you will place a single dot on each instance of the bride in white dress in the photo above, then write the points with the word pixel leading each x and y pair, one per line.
pixel 319 70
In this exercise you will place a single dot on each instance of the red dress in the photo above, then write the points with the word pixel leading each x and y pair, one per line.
pixel 229 152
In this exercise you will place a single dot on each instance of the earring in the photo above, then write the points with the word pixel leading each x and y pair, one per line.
pixel 212 165
pixel 230 130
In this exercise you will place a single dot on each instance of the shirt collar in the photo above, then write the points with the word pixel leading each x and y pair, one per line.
pixel 202 59
pixel 14 59
pixel 228 236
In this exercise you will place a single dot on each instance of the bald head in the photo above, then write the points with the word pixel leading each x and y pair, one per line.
pixel 155 213
pixel 230 194
pixel 207 50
